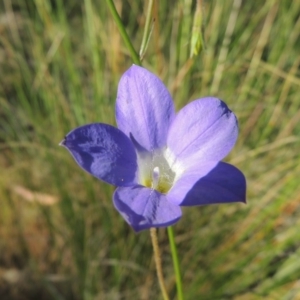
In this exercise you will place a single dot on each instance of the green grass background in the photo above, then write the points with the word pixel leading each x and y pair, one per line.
pixel 60 63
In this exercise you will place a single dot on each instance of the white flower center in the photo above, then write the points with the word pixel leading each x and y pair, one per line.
pixel 155 172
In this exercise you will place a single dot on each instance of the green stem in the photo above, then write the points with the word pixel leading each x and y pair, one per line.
pixel 116 17
pixel 175 263
pixel 146 34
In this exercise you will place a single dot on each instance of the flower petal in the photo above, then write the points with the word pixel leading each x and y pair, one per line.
pixel 144 108
pixel 143 208
pixel 209 183
pixel 204 130
pixel 104 151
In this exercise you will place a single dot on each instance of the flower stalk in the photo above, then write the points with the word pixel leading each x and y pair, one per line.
pixel 157 259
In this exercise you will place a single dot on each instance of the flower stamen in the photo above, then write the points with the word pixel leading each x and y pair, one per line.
pixel 155 178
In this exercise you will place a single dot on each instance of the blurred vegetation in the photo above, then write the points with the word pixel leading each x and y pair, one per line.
pixel 60 62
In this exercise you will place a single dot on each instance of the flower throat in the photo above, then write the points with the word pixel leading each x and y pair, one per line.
pixel 155 172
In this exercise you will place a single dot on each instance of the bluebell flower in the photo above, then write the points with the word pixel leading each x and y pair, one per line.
pixel 160 160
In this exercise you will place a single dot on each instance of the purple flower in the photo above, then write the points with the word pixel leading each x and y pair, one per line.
pixel 160 160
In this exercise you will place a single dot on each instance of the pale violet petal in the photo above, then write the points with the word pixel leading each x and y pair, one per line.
pixel 144 108
pixel 204 130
